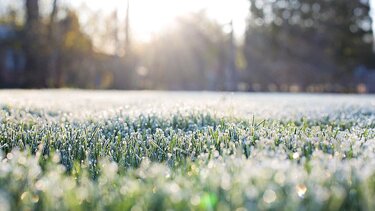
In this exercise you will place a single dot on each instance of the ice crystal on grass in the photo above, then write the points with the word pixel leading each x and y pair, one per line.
pixel 64 150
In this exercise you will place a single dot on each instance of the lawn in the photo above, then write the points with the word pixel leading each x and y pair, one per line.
pixel 113 150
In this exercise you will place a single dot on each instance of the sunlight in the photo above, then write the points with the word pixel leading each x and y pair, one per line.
pixel 148 17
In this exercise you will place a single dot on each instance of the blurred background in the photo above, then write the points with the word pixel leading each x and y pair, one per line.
pixel 220 45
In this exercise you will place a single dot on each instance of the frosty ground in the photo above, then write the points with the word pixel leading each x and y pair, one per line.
pixel 101 150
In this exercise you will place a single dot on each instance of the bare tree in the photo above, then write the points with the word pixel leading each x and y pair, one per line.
pixel 231 70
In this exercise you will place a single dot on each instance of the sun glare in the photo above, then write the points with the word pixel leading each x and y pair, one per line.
pixel 149 17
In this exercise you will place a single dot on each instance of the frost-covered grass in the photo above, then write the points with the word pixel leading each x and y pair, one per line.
pixel 81 150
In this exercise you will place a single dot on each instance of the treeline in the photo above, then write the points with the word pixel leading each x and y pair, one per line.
pixel 289 45
pixel 313 45
pixel 51 50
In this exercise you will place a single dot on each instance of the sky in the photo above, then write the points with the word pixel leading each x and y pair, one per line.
pixel 151 16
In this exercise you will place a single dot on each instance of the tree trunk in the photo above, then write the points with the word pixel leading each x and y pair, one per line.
pixel 53 37
pixel 33 50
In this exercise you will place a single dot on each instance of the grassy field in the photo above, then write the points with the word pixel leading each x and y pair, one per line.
pixel 84 150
